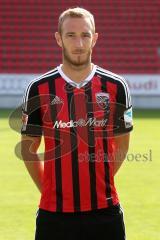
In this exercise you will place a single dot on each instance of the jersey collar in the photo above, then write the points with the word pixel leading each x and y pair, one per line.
pixel 80 84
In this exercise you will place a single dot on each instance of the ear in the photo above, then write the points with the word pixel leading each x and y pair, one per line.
pixel 58 39
pixel 94 40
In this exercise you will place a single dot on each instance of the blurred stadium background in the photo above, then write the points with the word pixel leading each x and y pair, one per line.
pixel 129 44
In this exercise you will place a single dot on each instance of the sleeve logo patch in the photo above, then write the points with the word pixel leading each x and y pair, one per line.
pixel 128 118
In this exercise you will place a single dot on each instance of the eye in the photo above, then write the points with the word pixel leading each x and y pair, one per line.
pixel 70 35
pixel 88 35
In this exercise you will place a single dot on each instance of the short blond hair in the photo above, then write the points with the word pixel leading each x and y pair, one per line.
pixel 76 12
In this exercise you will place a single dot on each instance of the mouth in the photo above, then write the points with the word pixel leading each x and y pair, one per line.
pixel 78 52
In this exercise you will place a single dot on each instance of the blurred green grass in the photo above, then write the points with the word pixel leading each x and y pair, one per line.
pixel 137 183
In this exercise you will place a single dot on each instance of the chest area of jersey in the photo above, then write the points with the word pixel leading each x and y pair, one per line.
pixel 67 107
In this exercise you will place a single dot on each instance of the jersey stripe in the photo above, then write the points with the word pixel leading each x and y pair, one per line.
pixel 49 198
pixel 111 88
pixel 74 153
pixel 120 79
pixel 91 145
pixel 99 152
pixel 106 155
pixel 58 171
pixel 66 162
pixel 83 163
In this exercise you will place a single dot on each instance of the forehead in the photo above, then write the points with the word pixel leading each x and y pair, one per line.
pixel 77 25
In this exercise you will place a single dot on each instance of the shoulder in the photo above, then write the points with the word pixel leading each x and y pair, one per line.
pixel 108 75
pixel 112 77
pixel 42 78
pixel 123 92
pixel 32 88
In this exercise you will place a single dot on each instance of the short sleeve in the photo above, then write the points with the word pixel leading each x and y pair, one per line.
pixel 123 120
pixel 31 113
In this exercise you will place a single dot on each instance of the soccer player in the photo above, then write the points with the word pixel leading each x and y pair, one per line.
pixel 84 114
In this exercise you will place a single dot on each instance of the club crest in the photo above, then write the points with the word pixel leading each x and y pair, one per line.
pixel 102 99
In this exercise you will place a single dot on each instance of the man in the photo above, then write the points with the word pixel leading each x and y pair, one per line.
pixel 84 114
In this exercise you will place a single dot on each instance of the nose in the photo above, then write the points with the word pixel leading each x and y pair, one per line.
pixel 79 42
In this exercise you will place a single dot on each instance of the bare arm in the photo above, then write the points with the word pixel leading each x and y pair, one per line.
pixel 122 145
pixel 35 167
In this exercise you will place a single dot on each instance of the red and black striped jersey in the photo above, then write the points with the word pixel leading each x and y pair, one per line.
pixel 79 122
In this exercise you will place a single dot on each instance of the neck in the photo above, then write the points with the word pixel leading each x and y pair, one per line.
pixel 77 73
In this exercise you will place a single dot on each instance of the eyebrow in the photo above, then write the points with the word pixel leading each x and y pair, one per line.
pixel 70 32
pixel 75 33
